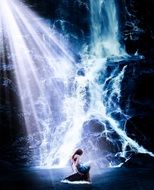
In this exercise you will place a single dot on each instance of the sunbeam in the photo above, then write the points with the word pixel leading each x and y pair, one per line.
pixel 43 70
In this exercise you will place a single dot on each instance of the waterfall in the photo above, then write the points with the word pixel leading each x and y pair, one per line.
pixel 104 28
pixel 59 97
pixel 104 87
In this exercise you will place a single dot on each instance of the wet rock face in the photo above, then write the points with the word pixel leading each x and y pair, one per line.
pixel 137 101
pixel 11 116
pixel 136 89
pixel 70 17
pixel 140 161
pixel 136 18
pixel 140 129
pixel 45 8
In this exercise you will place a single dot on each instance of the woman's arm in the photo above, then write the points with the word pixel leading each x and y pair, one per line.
pixel 74 162
pixel 73 168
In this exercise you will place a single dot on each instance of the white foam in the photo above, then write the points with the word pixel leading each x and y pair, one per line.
pixel 75 182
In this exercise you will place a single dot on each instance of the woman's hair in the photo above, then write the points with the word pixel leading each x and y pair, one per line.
pixel 78 152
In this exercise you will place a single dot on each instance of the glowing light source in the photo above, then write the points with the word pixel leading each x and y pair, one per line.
pixel 43 68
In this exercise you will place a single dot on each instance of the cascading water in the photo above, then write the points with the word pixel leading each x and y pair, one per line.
pixel 104 87
pixel 93 98
pixel 104 29
pixel 59 97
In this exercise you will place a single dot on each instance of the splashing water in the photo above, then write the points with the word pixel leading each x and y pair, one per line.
pixel 104 88
pixel 90 98
pixel 57 96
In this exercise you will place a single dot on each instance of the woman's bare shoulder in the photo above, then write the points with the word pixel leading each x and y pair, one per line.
pixel 76 156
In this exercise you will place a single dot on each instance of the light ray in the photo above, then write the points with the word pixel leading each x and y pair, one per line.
pixel 43 70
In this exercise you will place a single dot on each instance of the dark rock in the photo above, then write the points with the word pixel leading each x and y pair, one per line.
pixel 77 177
pixel 136 90
pixel 136 26
pixel 93 126
pixel 5 167
pixel 140 161
pixel 140 129
pixel 115 160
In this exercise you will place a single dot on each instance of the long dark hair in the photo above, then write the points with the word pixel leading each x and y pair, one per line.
pixel 78 152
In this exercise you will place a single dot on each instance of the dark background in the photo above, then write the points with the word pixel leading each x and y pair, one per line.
pixel 137 101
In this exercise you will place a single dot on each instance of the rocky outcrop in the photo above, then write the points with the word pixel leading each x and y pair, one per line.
pixel 140 161
pixel 136 18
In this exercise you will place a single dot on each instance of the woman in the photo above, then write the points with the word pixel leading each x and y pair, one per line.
pixel 81 170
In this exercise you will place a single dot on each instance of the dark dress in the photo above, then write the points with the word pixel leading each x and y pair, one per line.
pixel 81 175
